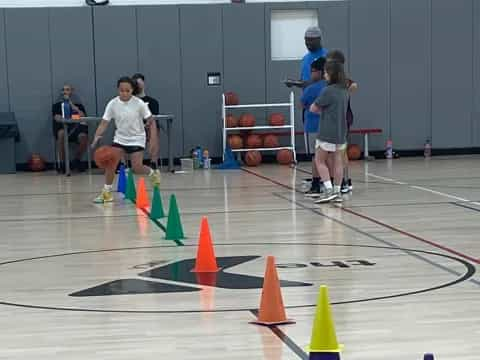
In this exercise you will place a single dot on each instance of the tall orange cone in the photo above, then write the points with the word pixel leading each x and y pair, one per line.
pixel 142 195
pixel 206 261
pixel 272 310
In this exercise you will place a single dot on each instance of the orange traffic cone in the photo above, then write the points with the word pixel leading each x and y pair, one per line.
pixel 272 311
pixel 142 195
pixel 206 261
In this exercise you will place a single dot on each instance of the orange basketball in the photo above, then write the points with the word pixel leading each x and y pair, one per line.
pixel 354 152
pixel 247 120
pixel 285 157
pixel 231 121
pixel 235 141
pixel 254 141
pixel 36 163
pixel 270 141
pixel 276 119
pixel 253 158
pixel 231 98
pixel 106 157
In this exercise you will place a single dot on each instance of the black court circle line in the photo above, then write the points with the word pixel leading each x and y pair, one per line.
pixel 470 271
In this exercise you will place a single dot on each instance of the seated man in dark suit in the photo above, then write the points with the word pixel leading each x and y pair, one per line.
pixel 77 133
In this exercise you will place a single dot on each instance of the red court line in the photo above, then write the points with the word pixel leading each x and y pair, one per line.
pixel 378 222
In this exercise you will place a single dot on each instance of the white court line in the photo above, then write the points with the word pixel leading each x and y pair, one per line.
pixel 423 189
pixel 387 179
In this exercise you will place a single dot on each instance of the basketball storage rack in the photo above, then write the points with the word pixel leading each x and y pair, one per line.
pixel 291 126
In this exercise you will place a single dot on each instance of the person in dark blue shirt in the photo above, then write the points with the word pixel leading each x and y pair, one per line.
pixel 312 120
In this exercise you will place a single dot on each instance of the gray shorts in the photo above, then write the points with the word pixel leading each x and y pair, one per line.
pixel 310 142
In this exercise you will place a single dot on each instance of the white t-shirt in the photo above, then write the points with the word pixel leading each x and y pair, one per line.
pixel 128 118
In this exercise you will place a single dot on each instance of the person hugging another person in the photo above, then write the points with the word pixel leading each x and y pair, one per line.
pixel 332 137
pixel 312 120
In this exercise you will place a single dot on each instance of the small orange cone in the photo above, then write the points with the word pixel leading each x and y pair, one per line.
pixel 142 195
pixel 272 311
pixel 206 261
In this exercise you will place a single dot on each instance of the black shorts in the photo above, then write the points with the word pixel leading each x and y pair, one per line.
pixel 129 149
pixel 74 131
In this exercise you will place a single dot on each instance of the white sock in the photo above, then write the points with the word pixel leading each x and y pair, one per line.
pixel 108 187
pixel 328 184
pixel 336 188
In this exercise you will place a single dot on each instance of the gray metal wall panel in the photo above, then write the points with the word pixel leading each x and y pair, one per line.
pixel 28 57
pixel 451 73
pixel 115 49
pixel 201 43
pixel 476 74
pixel 334 22
pixel 4 101
pixel 159 61
pixel 244 55
pixel 410 73
pixel 75 65
pixel 244 51
pixel 277 71
pixel 369 66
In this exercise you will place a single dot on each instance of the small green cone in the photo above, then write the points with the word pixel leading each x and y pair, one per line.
pixel 131 193
pixel 156 211
pixel 174 224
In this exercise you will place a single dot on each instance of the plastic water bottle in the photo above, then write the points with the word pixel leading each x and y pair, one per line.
pixel 206 159
pixel 196 155
pixel 389 149
pixel 427 151
pixel 66 110
pixel 199 156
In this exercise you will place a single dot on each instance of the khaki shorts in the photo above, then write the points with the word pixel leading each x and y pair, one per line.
pixel 325 146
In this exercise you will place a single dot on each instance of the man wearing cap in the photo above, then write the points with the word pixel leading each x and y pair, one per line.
pixel 313 42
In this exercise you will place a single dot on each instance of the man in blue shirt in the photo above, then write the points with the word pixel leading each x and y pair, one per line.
pixel 313 42
pixel 312 120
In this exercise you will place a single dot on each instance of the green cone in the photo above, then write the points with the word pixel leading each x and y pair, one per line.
pixel 131 193
pixel 156 211
pixel 174 224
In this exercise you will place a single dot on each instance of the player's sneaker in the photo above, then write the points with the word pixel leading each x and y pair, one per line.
pixel 344 189
pixel 155 178
pixel 350 186
pixel 314 192
pixel 105 197
pixel 327 196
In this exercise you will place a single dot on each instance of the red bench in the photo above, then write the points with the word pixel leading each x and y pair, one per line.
pixel 365 133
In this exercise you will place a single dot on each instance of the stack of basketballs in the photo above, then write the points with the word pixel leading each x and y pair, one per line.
pixel 250 139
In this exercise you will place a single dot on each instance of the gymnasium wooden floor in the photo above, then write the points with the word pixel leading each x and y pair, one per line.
pixel 85 281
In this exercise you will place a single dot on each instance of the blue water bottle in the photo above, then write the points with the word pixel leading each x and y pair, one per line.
pixel 199 156
pixel 66 109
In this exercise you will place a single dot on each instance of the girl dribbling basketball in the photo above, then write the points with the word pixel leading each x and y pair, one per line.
pixel 129 113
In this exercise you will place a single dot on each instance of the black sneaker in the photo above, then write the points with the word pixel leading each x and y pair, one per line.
pixel 61 168
pixel 344 189
pixel 77 165
pixel 314 192
pixel 350 186
pixel 81 166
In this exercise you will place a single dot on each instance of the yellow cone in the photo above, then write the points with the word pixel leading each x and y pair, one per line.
pixel 324 338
